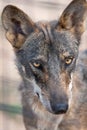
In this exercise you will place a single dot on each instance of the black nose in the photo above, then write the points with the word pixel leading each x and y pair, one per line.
pixel 60 108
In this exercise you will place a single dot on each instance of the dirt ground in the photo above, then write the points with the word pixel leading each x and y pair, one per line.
pixel 9 77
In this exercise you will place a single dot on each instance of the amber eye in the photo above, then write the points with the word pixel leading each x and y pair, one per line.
pixel 36 64
pixel 68 61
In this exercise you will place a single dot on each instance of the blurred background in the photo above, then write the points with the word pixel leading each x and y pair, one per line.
pixel 10 100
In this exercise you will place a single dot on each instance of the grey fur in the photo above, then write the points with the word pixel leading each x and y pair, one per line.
pixel 47 54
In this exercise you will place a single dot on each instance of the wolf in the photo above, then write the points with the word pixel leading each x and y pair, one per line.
pixel 54 77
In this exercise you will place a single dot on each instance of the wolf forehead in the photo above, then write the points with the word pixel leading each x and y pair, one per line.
pixel 48 40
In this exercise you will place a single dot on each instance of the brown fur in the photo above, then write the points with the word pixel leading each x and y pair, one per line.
pixel 47 56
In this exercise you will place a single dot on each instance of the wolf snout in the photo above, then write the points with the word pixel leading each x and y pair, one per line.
pixel 59 108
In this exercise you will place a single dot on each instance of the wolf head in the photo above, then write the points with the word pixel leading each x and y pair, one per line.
pixel 47 52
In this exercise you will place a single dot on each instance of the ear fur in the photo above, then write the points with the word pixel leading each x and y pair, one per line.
pixel 17 25
pixel 73 17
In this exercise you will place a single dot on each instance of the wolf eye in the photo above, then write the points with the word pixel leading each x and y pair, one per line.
pixel 69 60
pixel 36 64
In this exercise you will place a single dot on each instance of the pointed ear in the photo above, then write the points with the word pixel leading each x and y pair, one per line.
pixel 17 25
pixel 73 17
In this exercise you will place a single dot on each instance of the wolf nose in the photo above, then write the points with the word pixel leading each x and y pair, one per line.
pixel 60 108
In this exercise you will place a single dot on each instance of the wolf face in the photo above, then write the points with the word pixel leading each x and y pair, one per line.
pixel 49 65
pixel 46 53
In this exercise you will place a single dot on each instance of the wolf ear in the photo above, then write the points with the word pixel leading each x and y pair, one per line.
pixel 17 25
pixel 73 17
